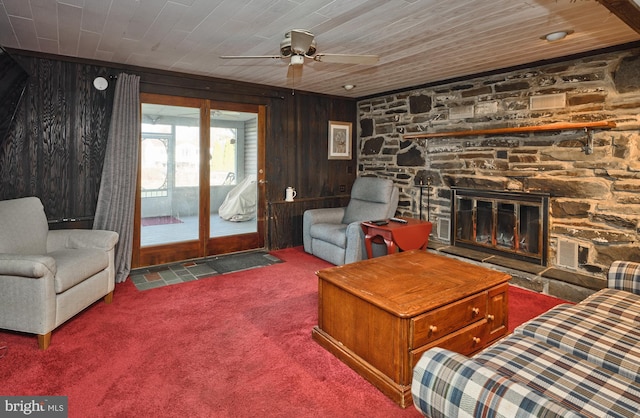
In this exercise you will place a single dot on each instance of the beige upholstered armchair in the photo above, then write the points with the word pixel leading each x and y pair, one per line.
pixel 47 277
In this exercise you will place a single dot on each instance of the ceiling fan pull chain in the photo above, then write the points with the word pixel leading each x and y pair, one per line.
pixel 293 82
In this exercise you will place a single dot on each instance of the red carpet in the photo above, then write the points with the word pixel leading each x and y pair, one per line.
pixel 236 345
pixel 525 304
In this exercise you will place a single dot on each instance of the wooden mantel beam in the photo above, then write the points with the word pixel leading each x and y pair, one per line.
pixel 561 126
pixel 627 10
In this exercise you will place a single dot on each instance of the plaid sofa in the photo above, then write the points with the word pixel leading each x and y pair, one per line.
pixel 578 360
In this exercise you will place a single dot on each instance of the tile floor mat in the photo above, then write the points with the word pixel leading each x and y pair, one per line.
pixel 185 271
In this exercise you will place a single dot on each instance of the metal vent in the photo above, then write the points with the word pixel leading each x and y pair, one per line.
pixel 567 253
pixel 461 112
pixel 548 101
pixel 444 229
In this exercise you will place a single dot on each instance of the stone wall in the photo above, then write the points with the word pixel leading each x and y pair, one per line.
pixel 595 192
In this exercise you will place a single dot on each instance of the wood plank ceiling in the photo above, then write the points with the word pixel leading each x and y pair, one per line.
pixel 418 41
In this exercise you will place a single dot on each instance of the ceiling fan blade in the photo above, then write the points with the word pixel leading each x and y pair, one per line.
pixel 300 41
pixel 346 58
pixel 234 57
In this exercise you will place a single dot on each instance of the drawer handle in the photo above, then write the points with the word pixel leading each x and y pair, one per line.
pixel 475 311
pixel 433 329
pixel 490 317
pixel 476 340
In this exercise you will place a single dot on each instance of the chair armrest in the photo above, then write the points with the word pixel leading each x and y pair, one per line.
pixel 30 266
pixel 355 250
pixel 624 275
pixel 316 216
pixel 81 238
pixel 448 384
pixel 27 294
pixel 324 215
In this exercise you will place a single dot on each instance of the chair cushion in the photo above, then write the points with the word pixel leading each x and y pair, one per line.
pixel 23 226
pixel 77 265
pixel 370 198
pixel 336 234
pixel 372 189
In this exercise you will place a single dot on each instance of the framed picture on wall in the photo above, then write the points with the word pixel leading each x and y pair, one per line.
pixel 339 140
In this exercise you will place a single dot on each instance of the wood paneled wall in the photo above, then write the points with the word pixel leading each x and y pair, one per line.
pixel 285 218
pixel 56 147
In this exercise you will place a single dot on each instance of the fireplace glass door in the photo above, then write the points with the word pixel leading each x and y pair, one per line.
pixel 530 229
pixel 484 222
pixel 507 223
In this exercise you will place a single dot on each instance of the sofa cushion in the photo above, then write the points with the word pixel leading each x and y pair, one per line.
pixel 447 384
pixel 624 275
pixel 603 340
pixel 23 226
pixel 77 265
pixel 569 380
pixel 613 302
pixel 333 233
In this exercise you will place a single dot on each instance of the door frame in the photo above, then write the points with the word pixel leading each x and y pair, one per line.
pixel 235 243
pixel 204 245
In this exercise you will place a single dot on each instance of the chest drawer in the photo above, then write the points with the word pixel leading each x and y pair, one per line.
pixel 465 341
pixel 440 322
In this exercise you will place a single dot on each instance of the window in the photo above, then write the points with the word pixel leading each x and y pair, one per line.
pixel 187 156
pixel 224 156
pixel 154 164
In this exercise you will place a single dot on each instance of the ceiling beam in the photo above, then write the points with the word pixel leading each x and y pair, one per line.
pixel 627 10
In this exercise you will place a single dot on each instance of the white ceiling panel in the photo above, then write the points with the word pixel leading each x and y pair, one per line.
pixel 418 41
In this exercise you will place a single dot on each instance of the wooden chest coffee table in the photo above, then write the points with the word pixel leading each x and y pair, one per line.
pixel 379 315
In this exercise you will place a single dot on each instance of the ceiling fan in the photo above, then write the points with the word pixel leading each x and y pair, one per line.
pixel 299 44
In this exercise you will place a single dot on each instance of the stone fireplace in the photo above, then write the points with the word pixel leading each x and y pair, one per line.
pixel 512 224
pixel 590 175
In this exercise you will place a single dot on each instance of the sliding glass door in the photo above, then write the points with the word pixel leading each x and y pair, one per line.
pixel 199 179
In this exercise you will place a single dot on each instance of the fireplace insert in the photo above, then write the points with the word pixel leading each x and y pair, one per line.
pixel 512 224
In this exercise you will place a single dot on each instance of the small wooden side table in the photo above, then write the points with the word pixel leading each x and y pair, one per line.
pixel 413 235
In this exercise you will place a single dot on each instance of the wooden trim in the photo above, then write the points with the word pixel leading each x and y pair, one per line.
pixel 204 180
pixel 520 129
pixel 262 175
pixel 625 10
pixel 309 199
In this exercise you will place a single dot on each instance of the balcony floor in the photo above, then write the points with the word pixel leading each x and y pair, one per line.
pixel 186 229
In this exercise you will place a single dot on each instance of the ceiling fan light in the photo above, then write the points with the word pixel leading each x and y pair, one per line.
pixel 556 36
pixel 297 59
